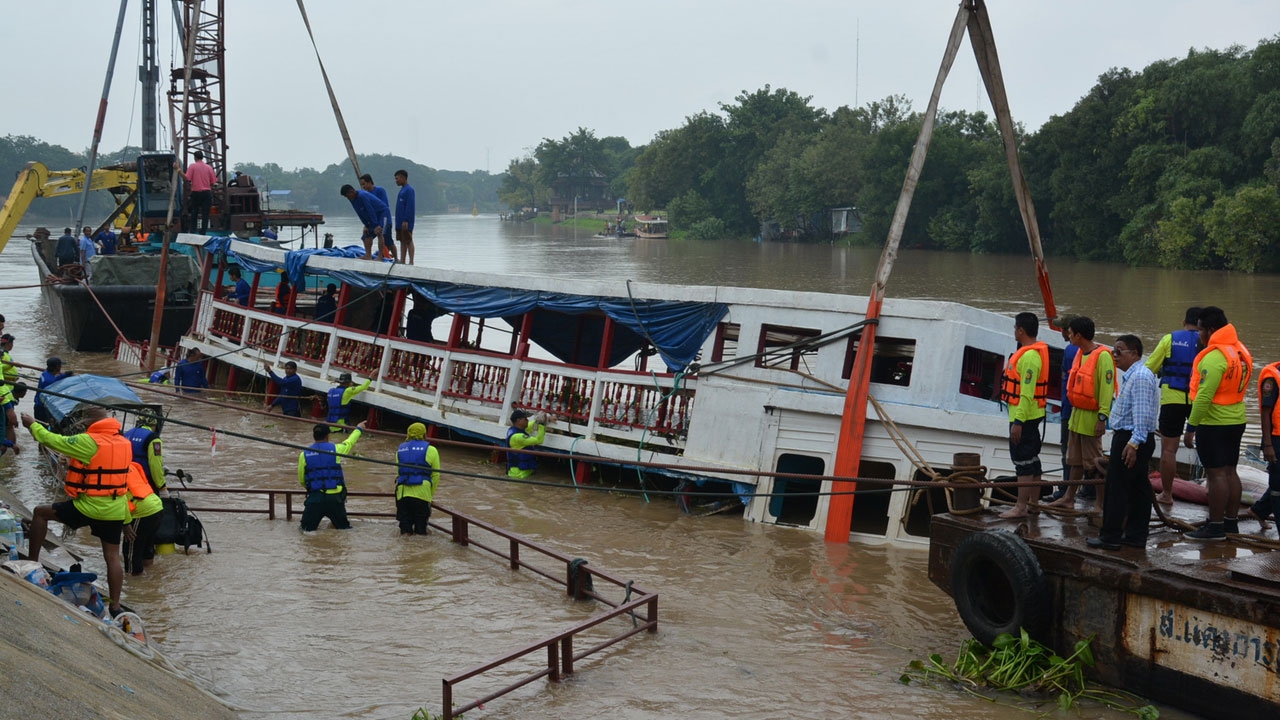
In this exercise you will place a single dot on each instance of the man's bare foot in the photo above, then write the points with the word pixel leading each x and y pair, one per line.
pixel 1013 513
pixel 1164 499
pixel 1066 501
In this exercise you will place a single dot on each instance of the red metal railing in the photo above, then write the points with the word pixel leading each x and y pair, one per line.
pixel 264 334
pixel 577 577
pixel 478 381
pixel 415 369
pixel 227 323
pixel 358 356
pixel 305 344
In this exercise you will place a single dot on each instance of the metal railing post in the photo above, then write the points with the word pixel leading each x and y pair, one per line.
pixel 515 554
pixel 288 506
pixel 566 654
pixel 553 661
pixel 446 698
pixel 653 613
pixel 271 506
pixel 460 530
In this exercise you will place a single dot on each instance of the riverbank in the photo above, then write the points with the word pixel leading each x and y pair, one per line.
pixel 58 663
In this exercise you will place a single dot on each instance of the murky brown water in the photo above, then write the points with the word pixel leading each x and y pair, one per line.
pixel 756 621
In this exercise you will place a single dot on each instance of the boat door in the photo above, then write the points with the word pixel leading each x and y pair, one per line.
pixel 803 445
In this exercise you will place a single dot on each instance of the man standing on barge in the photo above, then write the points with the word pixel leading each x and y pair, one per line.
pixel 1025 388
pixel 1269 409
pixel 1091 388
pixel 1219 378
pixel 1127 498
pixel 374 215
pixel 1172 360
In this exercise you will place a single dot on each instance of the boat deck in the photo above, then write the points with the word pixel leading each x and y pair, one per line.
pixel 1193 624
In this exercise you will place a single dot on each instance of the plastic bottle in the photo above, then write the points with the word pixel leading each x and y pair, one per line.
pixel 14 553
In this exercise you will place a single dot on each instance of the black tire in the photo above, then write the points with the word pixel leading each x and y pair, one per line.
pixel 998 587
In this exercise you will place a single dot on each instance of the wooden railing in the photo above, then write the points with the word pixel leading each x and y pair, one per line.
pixel 574 574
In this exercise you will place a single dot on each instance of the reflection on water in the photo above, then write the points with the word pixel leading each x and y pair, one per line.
pixel 755 620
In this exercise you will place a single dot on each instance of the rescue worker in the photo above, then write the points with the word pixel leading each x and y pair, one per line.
pixel 8 403
pixel 1171 360
pixel 1269 409
pixel 1219 378
pixel 320 472
pixel 96 482
pixel 1091 388
pixel 240 291
pixel 374 215
pixel 159 377
pixel 417 480
pixel 288 389
pixel 52 374
pixel 340 397
pixel 525 431
pixel 1025 388
pixel 145 508
pixel 148 451
pixel 189 373
pixel 388 240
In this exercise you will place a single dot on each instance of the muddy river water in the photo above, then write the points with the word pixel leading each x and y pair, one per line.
pixel 756 621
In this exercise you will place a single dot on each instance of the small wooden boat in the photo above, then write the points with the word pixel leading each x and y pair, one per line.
pixel 651 226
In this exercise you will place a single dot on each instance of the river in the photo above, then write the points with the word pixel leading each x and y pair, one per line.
pixel 756 621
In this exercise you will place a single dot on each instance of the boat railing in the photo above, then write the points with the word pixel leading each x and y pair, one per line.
pixel 611 403
pixel 553 657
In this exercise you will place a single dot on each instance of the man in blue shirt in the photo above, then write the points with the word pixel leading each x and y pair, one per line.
pixel 188 374
pixel 52 374
pixel 289 389
pixel 241 291
pixel 406 207
pixel 366 183
pixel 107 241
pixel 373 213
pixel 87 251
pixel 1127 501
pixel 67 250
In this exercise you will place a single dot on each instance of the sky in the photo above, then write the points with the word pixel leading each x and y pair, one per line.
pixel 471 85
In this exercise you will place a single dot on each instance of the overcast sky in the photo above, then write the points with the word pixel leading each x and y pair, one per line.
pixel 470 85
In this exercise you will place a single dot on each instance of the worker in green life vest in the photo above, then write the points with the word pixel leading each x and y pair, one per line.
pixel 416 481
pixel 339 399
pixel 320 472
pixel 525 431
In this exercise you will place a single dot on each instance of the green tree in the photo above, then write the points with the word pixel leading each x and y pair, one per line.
pixel 1244 228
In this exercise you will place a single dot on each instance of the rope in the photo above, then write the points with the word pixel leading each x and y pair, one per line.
pixel 333 99
pixel 98 302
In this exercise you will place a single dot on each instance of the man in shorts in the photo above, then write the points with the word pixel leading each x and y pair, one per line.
pixel 1219 379
pixel 96 482
pixel 1025 389
pixel 1172 359
pixel 1091 388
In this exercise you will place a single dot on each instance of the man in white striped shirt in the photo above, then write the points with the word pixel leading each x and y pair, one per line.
pixel 1127 503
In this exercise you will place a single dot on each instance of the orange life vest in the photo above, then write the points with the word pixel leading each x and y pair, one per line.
pixel 1271 372
pixel 1011 386
pixel 139 487
pixel 1081 382
pixel 107 473
pixel 1239 367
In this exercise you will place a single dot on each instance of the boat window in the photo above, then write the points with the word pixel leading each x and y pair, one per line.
pixel 795 501
pixel 980 373
pixel 871 509
pixel 891 362
pixel 773 338
pixel 726 347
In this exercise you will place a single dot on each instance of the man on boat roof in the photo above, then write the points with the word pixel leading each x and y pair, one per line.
pixel 374 214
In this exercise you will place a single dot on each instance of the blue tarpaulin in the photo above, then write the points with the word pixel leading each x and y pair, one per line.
pixel 87 388
pixel 676 329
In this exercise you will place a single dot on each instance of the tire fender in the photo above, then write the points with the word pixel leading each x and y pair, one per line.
pixel 999 587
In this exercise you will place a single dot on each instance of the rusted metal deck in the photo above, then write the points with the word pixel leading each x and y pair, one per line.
pixel 1194 625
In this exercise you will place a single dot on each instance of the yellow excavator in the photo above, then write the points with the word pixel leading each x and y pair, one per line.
pixel 38 181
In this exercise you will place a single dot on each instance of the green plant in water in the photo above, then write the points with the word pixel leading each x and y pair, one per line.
pixel 424 714
pixel 1020 664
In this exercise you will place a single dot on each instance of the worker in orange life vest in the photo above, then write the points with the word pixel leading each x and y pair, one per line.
pixel 1025 388
pixel 1269 409
pixel 96 482
pixel 1091 387
pixel 1219 379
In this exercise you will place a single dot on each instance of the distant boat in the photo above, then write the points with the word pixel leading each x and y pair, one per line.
pixel 651 226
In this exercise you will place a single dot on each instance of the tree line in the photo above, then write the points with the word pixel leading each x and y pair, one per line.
pixel 1177 165
pixel 437 190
